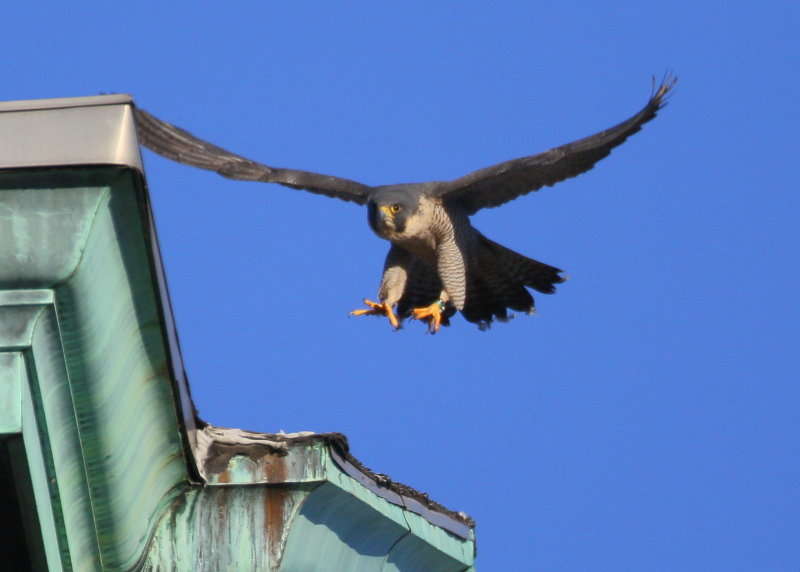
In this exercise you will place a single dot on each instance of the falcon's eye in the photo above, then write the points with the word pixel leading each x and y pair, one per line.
pixel 395 208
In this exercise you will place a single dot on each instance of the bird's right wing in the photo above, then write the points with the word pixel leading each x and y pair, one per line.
pixel 181 146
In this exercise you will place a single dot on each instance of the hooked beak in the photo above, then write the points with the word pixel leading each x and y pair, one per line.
pixel 386 213
pixel 381 219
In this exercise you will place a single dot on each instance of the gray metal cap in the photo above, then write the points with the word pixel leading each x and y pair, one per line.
pixel 96 130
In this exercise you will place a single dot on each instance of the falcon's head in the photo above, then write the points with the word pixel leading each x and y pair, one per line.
pixel 389 210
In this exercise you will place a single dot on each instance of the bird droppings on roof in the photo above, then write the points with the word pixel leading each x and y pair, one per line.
pixel 236 456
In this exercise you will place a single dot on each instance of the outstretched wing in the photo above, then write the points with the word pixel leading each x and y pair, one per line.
pixel 498 184
pixel 181 146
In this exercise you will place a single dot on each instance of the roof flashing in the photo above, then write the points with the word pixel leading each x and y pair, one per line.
pixel 65 102
pixel 238 457
pixel 97 130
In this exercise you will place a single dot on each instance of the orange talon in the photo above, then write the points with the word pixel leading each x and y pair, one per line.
pixel 431 314
pixel 378 309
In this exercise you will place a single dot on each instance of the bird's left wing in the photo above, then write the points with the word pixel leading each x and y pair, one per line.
pixel 181 146
pixel 498 184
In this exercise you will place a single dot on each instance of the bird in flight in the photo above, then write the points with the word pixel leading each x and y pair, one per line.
pixel 438 263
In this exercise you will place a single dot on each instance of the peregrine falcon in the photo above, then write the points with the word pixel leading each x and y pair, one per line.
pixel 438 263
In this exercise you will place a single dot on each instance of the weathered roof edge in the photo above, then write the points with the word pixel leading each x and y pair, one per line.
pixel 243 442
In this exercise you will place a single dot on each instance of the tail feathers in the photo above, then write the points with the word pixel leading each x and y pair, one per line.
pixel 498 279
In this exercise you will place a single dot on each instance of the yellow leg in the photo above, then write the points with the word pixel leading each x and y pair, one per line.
pixel 431 314
pixel 378 309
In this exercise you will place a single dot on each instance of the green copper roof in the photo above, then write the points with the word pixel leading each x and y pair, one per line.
pixel 95 407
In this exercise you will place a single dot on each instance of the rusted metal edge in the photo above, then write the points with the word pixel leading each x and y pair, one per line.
pixel 216 446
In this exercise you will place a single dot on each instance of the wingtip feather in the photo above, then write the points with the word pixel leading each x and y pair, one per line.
pixel 661 92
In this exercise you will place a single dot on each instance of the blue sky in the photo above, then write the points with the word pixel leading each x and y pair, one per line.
pixel 648 416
